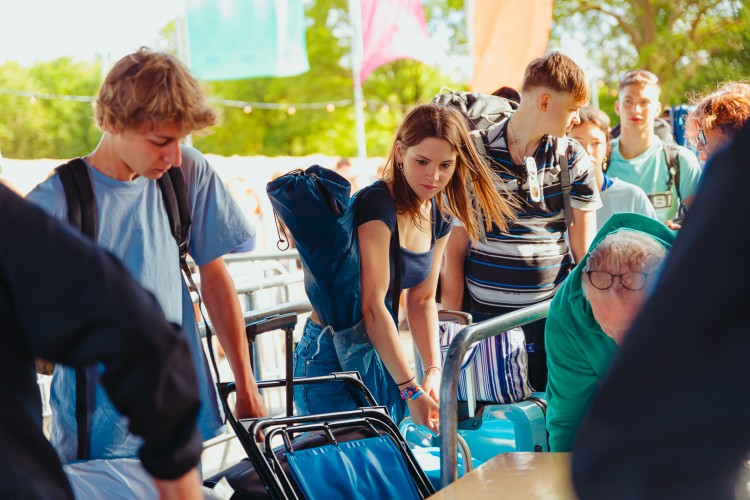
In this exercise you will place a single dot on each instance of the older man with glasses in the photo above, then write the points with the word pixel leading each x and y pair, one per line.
pixel 592 312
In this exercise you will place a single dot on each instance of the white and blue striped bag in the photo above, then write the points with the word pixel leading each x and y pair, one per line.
pixel 498 366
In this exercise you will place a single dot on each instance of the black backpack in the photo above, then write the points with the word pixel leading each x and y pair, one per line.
pixel 485 111
pixel 79 195
pixel 663 131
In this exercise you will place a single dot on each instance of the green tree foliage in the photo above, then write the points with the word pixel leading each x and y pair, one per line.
pixel 388 91
pixel 54 128
pixel 62 128
pixel 690 44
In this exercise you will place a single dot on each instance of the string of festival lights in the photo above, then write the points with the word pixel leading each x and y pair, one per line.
pixel 246 106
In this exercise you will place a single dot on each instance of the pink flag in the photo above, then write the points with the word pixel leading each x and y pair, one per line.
pixel 393 29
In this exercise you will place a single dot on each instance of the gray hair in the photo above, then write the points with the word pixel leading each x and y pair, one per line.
pixel 626 249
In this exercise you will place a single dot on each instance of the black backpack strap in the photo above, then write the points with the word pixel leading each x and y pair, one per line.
pixel 175 197
pixel 395 253
pixel 564 154
pixel 79 195
pixel 672 155
pixel 174 194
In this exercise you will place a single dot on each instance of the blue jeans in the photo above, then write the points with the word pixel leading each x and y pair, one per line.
pixel 315 356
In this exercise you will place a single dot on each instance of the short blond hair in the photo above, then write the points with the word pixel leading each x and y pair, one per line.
pixel 153 88
pixel 558 72
pixel 640 77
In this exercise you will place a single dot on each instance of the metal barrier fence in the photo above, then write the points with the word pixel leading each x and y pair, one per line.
pixel 451 372
pixel 256 256
pixel 299 307
pixel 267 270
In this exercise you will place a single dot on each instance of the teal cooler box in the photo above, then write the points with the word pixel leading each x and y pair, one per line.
pixel 494 429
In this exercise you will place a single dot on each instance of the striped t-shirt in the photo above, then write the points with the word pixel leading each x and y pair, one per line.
pixel 526 264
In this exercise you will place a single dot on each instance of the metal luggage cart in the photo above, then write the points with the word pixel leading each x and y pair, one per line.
pixel 451 369
pixel 266 471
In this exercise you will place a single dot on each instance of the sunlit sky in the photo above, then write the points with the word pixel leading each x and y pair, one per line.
pixel 40 30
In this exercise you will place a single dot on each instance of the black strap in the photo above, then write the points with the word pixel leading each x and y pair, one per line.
pixel 563 159
pixel 82 214
pixel 395 254
pixel 174 195
pixel 209 333
pixel 672 155
pixel 79 194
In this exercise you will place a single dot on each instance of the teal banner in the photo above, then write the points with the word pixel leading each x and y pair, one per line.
pixel 235 39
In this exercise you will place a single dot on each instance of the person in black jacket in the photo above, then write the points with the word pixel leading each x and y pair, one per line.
pixel 61 298
pixel 672 417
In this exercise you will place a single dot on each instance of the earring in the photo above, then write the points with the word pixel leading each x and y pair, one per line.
pixel 400 166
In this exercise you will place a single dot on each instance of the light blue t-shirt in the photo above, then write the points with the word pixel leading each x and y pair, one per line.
pixel 133 225
pixel 623 196
pixel 649 171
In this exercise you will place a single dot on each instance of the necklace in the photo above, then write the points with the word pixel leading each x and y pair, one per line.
pixel 514 144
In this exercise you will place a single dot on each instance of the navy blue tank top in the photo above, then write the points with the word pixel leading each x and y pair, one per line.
pixel 375 203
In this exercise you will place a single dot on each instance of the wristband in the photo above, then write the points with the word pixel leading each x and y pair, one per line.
pixel 411 393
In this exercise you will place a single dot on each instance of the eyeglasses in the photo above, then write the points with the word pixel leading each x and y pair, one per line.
pixel 533 182
pixel 602 280
pixel 702 138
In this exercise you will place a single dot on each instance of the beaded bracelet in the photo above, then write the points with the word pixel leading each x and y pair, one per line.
pixel 411 393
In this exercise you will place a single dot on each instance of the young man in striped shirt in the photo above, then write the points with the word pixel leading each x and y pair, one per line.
pixel 527 264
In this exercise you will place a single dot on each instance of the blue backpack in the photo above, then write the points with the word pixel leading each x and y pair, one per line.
pixel 317 207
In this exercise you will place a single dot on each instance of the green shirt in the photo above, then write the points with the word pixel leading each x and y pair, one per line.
pixel 649 171
pixel 578 351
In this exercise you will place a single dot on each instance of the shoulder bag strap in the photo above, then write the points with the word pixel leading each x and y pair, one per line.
pixel 564 153
pixel 396 256
pixel 672 155
pixel 175 197
pixel 79 195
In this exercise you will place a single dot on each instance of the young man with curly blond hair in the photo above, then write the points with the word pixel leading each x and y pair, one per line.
pixel 148 103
